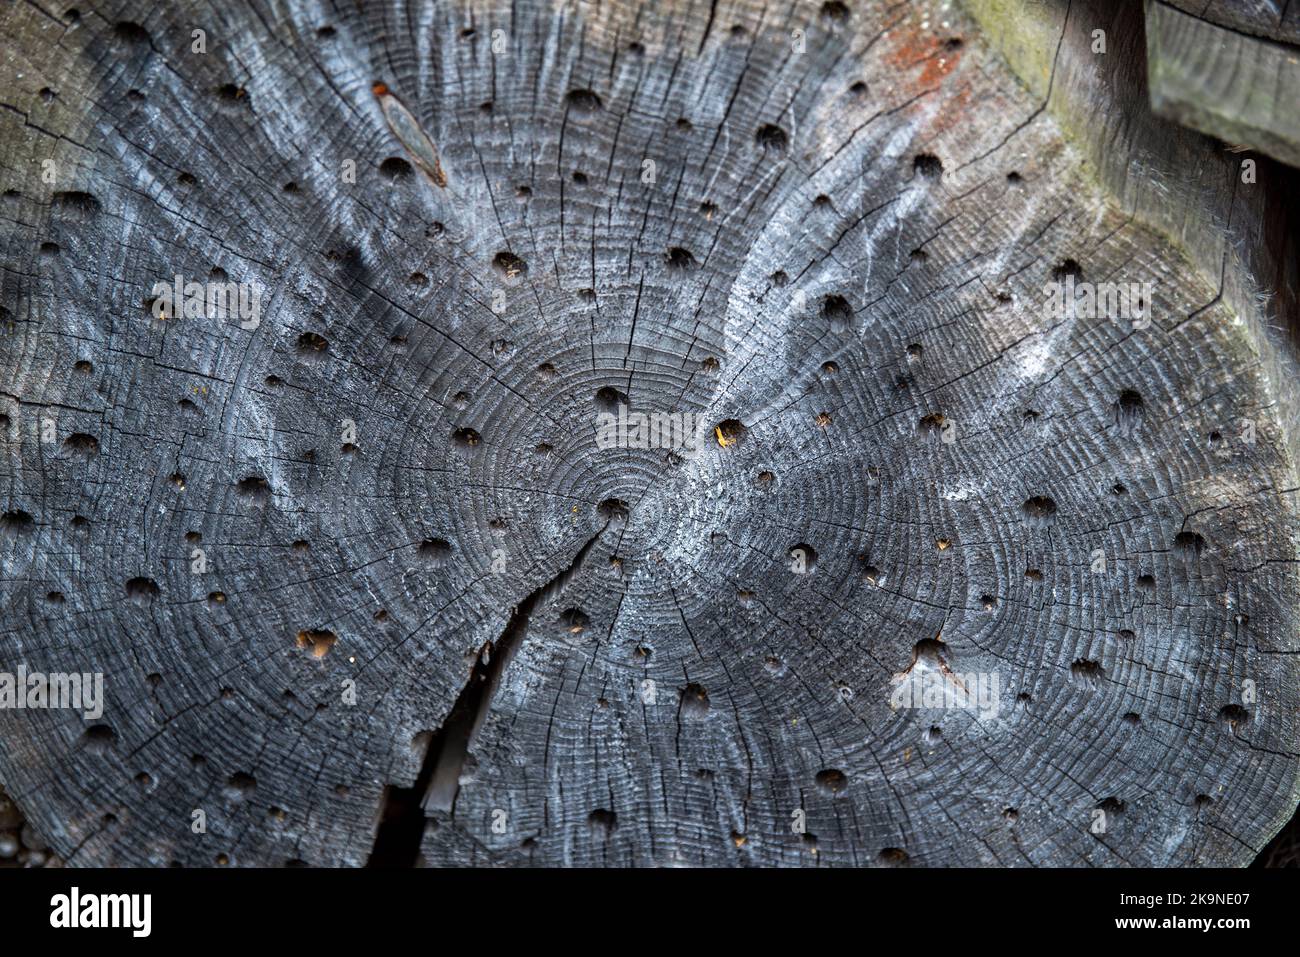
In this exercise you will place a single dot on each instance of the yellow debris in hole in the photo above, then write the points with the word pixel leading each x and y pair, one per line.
pixel 942 544
pixel 722 439
pixel 318 640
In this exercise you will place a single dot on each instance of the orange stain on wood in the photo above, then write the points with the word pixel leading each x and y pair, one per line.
pixel 936 56
pixel 923 60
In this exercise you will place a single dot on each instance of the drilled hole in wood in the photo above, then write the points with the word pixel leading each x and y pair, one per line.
pixel 832 780
pixel 608 399
pixel 239 786
pixel 466 439
pixel 835 11
pixel 601 823
pixel 316 641
pixel 927 165
pixel 803 557
pixel 771 138
pixel 729 432
pixel 1086 672
pixel 679 258
pixel 312 346
pixel 254 488
pixel 142 590
pixel 613 510
pixel 509 265
pixel 233 95
pixel 1039 511
pixel 435 551
pixel 892 857
pixel 80 445
pixel 130 32
pixel 694 701
pixel 574 620
pixel 582 103
pixel 1129 411
pixel 1067 269
pixel 1233 716
pixel 75 206
pixel 931 424
pixel 99 738
pixel 837 312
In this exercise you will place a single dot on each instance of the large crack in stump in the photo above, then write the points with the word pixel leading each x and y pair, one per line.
pixel 403 816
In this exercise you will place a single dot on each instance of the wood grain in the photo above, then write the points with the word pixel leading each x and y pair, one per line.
pixel 838 264
pixel 1234 86
pixel 1270 19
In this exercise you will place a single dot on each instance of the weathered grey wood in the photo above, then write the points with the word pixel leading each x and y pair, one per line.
pixel 1271 19
pixel 843 248
pixel 1234 86
pixel 1162 173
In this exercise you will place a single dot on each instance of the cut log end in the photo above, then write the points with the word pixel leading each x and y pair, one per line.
pixel 617 438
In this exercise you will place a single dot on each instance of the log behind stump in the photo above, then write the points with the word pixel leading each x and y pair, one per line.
pixel 1238 87
pixel 825 230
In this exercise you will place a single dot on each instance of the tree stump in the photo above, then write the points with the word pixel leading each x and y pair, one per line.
pixel 367 584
